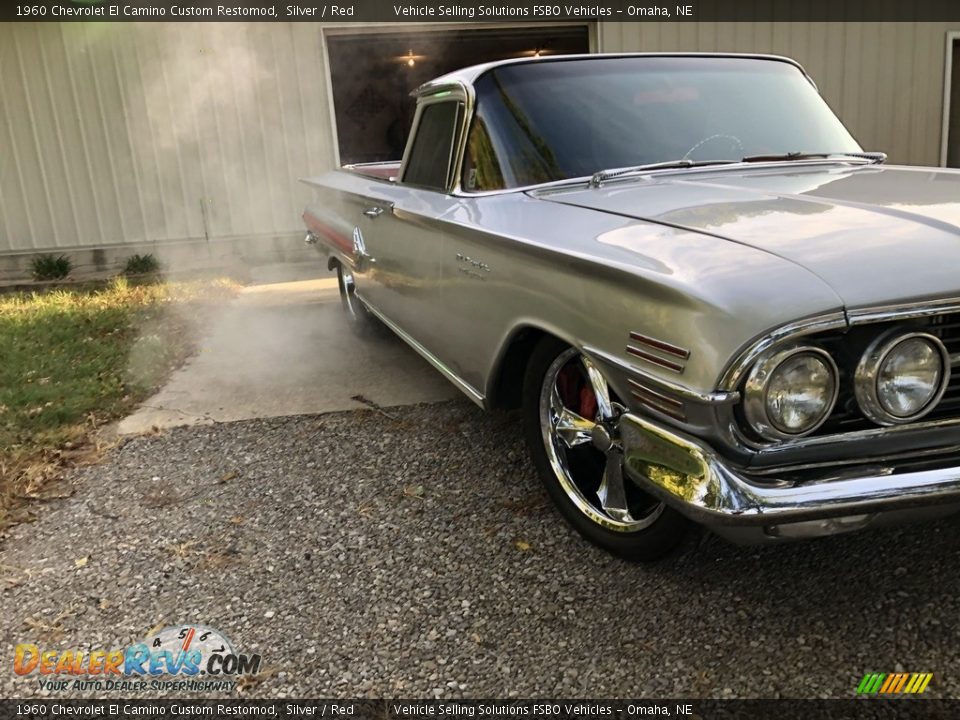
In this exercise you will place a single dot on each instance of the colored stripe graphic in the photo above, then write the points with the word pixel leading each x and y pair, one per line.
pixel 894 683
pixel 870 683
pixel 890 682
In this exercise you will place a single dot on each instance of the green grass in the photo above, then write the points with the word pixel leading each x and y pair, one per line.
pixel 71 360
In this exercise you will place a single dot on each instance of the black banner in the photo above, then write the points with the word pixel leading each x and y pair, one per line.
pixel 483 10
pixel 862 709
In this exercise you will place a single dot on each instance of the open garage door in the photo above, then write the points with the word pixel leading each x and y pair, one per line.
pixel 372 75
pixel 951 103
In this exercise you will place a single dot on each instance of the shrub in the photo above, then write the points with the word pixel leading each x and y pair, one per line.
pixel 141 265
pixel 50 267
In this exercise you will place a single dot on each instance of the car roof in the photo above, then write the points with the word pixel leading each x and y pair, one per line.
pixel 468 75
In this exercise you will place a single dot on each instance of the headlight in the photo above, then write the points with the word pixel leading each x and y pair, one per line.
pixel 901 377
pixel 791 393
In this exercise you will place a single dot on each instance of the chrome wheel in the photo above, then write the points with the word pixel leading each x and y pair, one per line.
pixel 579 422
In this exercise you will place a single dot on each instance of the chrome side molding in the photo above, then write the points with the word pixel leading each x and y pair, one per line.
pixel 449 374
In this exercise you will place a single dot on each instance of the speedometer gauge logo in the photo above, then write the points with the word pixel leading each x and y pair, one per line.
pixel 190 649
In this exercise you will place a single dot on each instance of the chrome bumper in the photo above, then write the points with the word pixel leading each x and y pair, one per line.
pixel 691 477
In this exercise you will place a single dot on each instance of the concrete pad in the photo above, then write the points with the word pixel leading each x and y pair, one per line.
pixel 284 349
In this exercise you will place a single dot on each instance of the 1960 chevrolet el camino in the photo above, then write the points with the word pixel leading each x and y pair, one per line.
pixel 710 303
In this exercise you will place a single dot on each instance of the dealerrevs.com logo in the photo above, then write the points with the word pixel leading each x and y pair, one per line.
pixel 187 657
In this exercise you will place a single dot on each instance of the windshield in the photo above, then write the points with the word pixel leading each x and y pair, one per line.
pixel 539 122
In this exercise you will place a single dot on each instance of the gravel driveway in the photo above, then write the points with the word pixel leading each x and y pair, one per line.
pixel 415 555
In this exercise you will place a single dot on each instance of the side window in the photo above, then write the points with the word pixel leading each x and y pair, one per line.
pixel 481 169
pixel 429 162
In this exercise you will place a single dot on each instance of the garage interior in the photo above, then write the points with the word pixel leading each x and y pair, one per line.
pixel 371 88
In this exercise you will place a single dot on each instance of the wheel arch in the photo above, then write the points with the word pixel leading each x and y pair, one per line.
pixel 505 387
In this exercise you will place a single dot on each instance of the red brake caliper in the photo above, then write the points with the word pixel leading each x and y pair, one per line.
pixel 576 393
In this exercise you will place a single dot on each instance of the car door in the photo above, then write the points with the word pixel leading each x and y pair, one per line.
pixel 399 233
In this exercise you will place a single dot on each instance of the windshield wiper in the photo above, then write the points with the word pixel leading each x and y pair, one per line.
pixel 875 157
pixel 599 177
pixel 602 175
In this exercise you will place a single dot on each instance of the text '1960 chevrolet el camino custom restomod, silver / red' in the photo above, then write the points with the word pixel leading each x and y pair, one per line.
pixel 710 303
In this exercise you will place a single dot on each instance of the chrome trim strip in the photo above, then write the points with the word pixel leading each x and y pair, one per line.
pixel 637 387
pixel 449 374
pixel 680 417
pixel 862 316
pixel 432 88
pixel 692 478
pixel 650 358
pixel 912 455
pixel 655 401
pixel 711 398
pixel 661 345
pixel 734 373
pixel 853 436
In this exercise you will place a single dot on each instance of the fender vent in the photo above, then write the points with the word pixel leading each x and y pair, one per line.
pixel 655 400
pixel 657 352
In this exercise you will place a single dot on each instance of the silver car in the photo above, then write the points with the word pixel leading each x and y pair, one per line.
pixel 710 304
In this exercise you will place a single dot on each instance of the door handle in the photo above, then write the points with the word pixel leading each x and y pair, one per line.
pixel 372 212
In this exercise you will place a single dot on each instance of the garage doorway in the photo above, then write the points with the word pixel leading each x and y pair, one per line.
pixel 372 75
pixel 950 150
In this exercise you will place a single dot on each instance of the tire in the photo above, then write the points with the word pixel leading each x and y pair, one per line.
pixel 361 321
pixel 579 469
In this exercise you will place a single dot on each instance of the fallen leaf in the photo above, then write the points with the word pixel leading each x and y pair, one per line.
pixel 80 562
pixel 227 476
pixel 238 520
pixel 523 545
pixel 247 682
pixel 182 549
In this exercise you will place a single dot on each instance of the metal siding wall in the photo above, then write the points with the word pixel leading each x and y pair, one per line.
pixel 149 132
pixel 884 80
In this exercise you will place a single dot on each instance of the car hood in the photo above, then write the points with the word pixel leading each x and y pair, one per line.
pixel 875 234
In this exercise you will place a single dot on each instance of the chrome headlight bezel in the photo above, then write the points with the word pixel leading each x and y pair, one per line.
pixel 866 376
pixel 757 384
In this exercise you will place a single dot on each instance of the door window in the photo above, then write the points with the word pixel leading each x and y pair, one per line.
pixel 428 165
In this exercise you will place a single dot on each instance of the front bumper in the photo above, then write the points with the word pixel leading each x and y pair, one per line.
pixel 695 480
